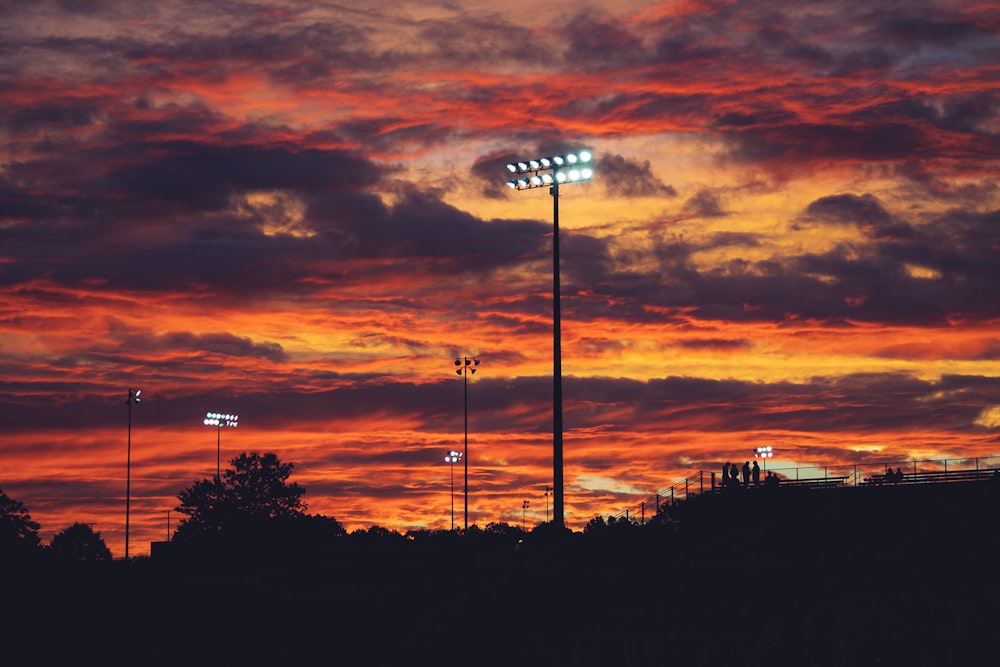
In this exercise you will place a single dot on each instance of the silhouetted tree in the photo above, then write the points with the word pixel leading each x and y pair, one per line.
pixel 377 535
pixel 79 542
pixel 254 496
pixel 595 525
pixel 503 529
pixel 18 533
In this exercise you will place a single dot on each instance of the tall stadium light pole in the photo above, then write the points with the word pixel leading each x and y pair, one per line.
pixel 133 397
pixel 552 172
pixel 466 366
pixel 453 457
pixel 219 420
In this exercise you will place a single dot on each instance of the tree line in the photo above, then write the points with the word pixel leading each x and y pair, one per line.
pixel 252 508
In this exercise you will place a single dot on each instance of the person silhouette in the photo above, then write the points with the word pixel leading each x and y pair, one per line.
pixel 755 474
pixel 725 474
pixel 746 473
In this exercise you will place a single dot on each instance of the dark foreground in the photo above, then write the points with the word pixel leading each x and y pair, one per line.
pixel 859 576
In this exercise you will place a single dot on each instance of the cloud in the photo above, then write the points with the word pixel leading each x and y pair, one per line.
pixel 630 179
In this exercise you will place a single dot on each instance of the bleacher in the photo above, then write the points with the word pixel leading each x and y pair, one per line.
pixel 702 482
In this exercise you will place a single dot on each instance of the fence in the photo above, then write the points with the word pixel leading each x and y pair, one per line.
pixel 856 474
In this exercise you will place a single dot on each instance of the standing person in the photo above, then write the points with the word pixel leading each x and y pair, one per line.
pixel 725 474
pixel 734 476
pixel 746 473
pixel 755 473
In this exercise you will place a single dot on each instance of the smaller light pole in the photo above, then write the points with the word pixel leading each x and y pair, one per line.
pixel 218 420
pixel 524 508
pixel 467 366
pixel 133 397
pixel 548 492
pixel 453 457
pixel 765 452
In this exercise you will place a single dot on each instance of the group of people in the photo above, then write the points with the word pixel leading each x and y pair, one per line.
pixel 734 477
pixel 893 477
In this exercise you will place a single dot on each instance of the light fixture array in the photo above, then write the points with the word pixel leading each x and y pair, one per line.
pixel 220 419
pixel 549 171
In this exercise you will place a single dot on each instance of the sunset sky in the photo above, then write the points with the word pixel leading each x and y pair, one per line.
pixel 297 212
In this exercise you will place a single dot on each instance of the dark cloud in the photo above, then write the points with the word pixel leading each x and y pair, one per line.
pixel 703 204
pixel 207 176
pixel 222 344
pixel 601 42
pixel 630 178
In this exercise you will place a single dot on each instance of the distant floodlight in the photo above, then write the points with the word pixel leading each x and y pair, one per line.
pixel 220 420
pixel 571 158
pixel 512 168
pixel 585 156
pixel 466 366
pixel 534 164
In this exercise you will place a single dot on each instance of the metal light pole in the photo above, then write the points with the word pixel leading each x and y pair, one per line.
pixel 548 492
pixel 218 420
pixel 524 508
pixel 453 457
pixel 551 172
pixel 133 397
pixel 467 366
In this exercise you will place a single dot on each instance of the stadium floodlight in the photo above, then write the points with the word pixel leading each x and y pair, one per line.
pixel 453 457
pixel 133 397
pixel 467 367
pixel 551 172
pixel 220 420
pixel 764 452
pixel 532 176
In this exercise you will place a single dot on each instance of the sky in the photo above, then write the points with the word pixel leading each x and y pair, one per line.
pixel 296 212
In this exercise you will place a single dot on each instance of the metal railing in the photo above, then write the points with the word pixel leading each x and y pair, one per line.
pixel 856 474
